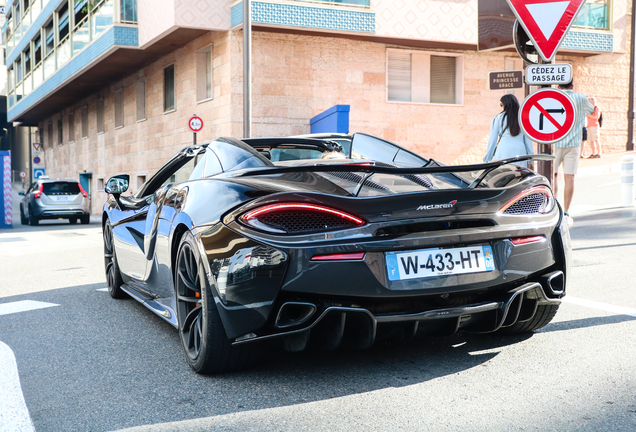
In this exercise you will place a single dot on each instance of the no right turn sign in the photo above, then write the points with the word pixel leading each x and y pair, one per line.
pixel 547 116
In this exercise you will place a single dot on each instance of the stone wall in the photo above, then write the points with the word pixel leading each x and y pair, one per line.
pixel 296 77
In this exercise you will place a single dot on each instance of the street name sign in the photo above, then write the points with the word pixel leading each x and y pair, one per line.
pixel 505 80
pixel 546 22
pixel 548 74
pixel 547 116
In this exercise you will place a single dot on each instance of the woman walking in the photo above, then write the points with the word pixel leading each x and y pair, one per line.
pixel 506 139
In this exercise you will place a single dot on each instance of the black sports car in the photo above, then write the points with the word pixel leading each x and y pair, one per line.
pixel 236 242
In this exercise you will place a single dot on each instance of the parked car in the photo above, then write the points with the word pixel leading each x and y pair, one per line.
pixel 234 250
pixel 54 199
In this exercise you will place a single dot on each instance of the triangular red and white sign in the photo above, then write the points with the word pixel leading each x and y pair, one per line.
pixel 546 21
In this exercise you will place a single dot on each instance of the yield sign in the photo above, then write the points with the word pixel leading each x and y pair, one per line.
pixel 546 21
pixel 547 116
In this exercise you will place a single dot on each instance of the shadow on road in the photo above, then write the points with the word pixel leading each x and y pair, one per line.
pixel 95 355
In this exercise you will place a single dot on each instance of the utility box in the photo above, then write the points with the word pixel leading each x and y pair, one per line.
pixel 334 120
pixel 6 203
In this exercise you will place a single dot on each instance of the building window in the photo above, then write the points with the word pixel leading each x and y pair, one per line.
pixel 204 74
pixel 50 134
pixel 60 131
pixel 71 127
pixel 168 88
pixel 62 17
pixel 100 116
pixel 141 179
pixel 594 15
pixel 140 99
pixel 414 76
pixel 128 11
pixel 49 34
pixel 119 108
pixel 85 122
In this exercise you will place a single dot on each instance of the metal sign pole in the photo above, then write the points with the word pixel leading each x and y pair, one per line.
pixel 546 168
pixel 630 111
pixel 247 69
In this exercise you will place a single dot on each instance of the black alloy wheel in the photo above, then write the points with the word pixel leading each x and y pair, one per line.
pixel 72 221
pixel 113 276
pixel 23 219
pixel 86 219
pixel 33 221
pixel 207 347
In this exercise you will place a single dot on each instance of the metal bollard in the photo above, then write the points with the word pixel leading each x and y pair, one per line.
pixel 627 180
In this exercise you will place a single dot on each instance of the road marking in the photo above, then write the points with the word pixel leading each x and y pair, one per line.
pixel 23 306
pixel 102 289
pixel 600 306
pixel 14 414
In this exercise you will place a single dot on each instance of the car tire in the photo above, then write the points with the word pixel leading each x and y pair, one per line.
pixel 86 219
pixel 23 219
pixel 113 275
pixel 541 318
pixel 33 221
pixel 206 345
pixel 72 221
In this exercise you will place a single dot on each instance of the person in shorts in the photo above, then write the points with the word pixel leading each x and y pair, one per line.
pixel 568 150
pixel 593 130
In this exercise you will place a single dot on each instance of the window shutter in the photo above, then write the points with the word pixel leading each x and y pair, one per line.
pixel 140 99
pixel 443 81
pixel 119 108
pixel 399 76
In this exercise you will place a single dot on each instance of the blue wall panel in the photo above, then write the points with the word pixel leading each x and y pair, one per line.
pixel 115 36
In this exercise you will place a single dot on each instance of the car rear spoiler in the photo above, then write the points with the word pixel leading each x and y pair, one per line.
pixel 369 167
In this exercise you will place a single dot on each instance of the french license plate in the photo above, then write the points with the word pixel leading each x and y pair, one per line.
pixel 439 262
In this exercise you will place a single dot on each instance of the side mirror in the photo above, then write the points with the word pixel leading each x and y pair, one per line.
pixel 21 193
pixel 117 185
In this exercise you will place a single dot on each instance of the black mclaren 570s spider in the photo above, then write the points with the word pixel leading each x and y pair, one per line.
pixel 238 242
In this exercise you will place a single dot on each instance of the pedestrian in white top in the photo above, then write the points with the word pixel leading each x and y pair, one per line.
pixel 506 139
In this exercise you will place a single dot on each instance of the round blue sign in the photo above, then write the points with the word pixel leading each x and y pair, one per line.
pixel 37 160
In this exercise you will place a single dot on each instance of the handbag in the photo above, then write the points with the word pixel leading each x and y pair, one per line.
pixel 600 120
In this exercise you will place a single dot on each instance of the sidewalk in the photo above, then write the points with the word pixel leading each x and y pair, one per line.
pixel 604 165
pixel 597 184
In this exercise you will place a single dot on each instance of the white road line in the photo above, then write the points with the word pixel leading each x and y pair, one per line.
pixel 102 289
pixel 23 306
pixel 619 310
pixel 14 414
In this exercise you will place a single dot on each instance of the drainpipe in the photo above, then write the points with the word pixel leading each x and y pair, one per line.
pixel 247 69
pixel 630 110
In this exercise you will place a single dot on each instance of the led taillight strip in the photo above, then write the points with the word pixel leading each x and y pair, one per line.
pixel 525 240
pixel 537 189
pixel 339 257
pixel 296 206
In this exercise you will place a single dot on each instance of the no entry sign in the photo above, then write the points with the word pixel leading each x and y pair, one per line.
pixel 547 116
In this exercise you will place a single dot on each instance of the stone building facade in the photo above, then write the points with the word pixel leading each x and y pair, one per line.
pixel 303 64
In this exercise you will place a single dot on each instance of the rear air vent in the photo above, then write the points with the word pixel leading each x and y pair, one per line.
pixel 527 205
pixel 400 230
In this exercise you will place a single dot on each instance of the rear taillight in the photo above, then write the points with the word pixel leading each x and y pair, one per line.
pixel 539 199
pixel 38 194
pixel 299 218
pixel 525 240
pixel 353 256
pixel 84 194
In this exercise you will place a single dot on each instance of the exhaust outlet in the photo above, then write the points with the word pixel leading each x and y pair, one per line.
pixel 555 283
pixel 294 313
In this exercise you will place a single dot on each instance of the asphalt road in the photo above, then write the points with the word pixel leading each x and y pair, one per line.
pixel 87 362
